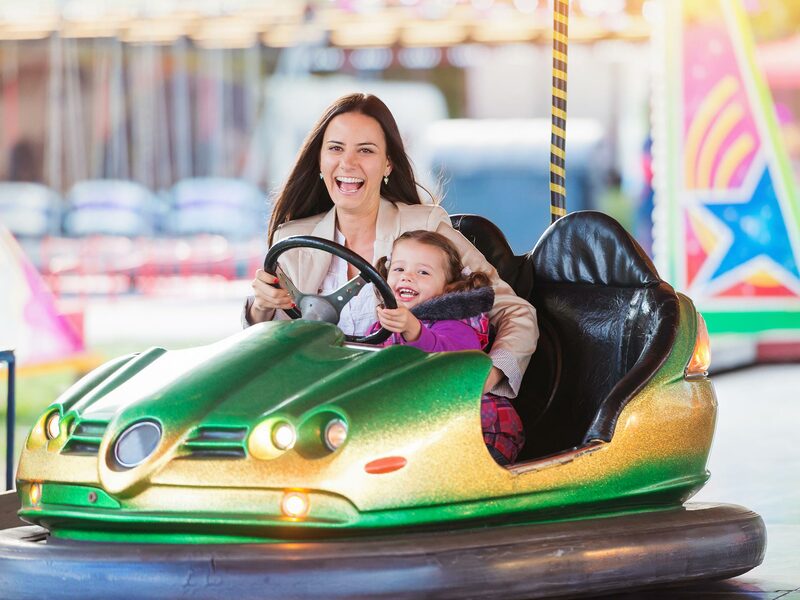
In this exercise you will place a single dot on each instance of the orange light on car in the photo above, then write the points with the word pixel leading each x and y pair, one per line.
pixel 701 356
pixel 35 493
pixel 385 465
pixel 295 505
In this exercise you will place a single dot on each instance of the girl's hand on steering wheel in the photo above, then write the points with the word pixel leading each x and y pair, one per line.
pixel 268 295
pixel 400 320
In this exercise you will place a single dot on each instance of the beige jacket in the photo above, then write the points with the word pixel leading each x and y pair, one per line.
pixel 513 318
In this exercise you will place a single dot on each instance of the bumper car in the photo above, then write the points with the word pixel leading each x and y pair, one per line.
pixel 291 461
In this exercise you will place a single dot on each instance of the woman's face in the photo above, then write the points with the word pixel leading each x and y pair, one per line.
pixel 353 161
pixel 417 272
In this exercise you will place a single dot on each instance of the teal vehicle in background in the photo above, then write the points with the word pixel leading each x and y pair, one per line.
pixel 507 160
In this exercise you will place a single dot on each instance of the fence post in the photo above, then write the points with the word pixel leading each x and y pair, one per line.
pixel 7 356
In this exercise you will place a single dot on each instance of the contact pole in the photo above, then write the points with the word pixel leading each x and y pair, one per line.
pixel 558 124
pixel 7 356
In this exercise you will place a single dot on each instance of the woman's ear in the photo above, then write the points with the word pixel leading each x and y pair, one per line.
pixel 388 167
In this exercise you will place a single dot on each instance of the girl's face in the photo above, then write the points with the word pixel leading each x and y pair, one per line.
pixel 353 161
pixel 417 272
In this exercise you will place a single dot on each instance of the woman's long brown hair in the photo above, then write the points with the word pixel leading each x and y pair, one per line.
pixel 305 194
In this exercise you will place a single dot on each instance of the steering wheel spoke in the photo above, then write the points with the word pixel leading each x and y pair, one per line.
pixel 347 292
pixel 289 286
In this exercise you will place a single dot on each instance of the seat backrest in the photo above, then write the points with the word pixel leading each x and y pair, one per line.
pixel 607 319
pixel 517 271
pixel 615 318
pixel 543 374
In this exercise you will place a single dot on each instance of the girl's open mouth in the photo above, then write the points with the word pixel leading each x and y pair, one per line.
pixel 405 293
pixel 349 184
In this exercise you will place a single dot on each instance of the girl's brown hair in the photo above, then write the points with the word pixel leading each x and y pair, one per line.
pixel 304 194
pixel 457 280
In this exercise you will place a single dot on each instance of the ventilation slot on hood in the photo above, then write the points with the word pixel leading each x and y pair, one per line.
pixel 85 438
pixel 215 442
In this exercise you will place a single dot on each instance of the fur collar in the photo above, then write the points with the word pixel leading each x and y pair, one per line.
pixel 456 306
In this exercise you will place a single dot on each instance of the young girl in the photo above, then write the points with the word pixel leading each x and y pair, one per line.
pixel 442 307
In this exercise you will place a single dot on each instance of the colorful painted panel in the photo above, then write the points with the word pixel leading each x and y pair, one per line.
pixel 30 322
pixel 727 217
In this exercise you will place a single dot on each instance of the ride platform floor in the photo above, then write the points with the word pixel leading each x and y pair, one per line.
pixel 754 462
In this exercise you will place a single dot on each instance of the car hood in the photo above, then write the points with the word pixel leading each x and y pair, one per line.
pixel 206 400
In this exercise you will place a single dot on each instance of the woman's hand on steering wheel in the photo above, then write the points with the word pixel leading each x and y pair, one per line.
pixel 268 295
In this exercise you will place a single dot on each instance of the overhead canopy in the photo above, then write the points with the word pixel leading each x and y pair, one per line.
pixel 343 23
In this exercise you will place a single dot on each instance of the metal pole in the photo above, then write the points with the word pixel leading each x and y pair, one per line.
pixel 558 192
pixel 7 356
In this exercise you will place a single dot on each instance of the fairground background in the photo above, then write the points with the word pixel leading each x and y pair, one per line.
pixel 142 141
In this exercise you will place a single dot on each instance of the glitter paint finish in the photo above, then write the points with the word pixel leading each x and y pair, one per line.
pixel 397 402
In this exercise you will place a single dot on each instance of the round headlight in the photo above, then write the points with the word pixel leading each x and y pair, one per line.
pixel 295 505
pixel 283 435
pixel 52 426
pixel 136 443
pixel 335 433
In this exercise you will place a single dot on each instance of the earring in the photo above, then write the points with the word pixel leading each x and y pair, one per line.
pixel 385 180
pixel 321 176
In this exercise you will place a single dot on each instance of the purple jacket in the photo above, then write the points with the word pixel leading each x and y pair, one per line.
pixel 455 321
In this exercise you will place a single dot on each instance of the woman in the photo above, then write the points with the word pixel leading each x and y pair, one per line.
pixel 353 183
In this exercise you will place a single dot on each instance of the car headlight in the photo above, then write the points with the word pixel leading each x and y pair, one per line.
pixel 52 426
pixel 136 443
pixel 271 438
pixel 283 435
pixel 335 434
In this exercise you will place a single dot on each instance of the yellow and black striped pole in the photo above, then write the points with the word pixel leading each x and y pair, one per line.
pixel 558 129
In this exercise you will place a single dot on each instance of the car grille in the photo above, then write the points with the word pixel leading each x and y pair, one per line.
pixel 85 438
pixel 215 442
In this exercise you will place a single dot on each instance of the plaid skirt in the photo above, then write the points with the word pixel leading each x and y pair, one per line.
pixel 502 427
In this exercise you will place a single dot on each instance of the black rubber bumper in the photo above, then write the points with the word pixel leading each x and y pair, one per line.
pixel 698 542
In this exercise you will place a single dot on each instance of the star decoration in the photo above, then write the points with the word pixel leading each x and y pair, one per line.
pixel 758 229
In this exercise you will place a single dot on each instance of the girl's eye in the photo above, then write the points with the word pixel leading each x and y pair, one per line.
pixel 423 273
pixel 397 269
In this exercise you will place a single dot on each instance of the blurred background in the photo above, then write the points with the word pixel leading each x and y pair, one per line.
pixel 141 142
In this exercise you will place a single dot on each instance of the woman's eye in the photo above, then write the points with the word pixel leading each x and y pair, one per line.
pixel 334 148
pixel 366 150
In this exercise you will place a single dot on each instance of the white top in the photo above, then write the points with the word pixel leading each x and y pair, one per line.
pixel 358 314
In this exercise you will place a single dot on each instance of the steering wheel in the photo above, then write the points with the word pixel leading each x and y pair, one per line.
pixel 328 308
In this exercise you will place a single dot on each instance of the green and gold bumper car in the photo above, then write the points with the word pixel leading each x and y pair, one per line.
pixel 286 461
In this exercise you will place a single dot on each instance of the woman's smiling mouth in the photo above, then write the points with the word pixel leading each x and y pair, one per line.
pixel 349 185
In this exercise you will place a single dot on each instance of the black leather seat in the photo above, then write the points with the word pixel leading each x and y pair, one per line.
pixel 607 323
